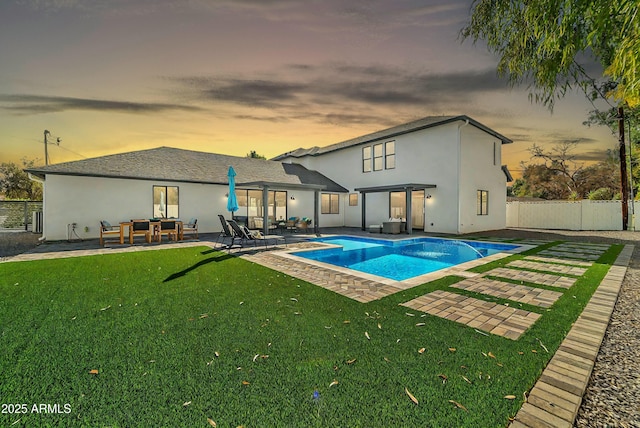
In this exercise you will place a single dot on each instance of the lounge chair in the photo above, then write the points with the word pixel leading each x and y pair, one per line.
pixel 226 233
pixel 106 229
pixel 140 227
pixel 190 228
pixel 166 227
pixel 247 236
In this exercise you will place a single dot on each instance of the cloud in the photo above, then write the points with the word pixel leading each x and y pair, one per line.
pixel 23 104
pixel 299 86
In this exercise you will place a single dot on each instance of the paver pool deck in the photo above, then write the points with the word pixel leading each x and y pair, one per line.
pixel 555 398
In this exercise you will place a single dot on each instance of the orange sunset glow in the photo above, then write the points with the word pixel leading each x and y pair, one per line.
pixel 109 76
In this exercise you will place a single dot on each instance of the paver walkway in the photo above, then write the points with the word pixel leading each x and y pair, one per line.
pixel 548 267
pixel 555 399
pixel 547 259
pixel 567 253
pixel 504 290
pixel 487 316
pixel 533 277
pixel 359 288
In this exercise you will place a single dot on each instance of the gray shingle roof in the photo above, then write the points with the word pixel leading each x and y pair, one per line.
pixel 171 164
pixel 426 122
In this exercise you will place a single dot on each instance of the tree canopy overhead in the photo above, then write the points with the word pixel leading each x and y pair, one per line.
pixel 543 42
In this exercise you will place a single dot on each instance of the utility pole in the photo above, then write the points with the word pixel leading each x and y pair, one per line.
pixel 46 144
pixel 46 150
pixel 623 170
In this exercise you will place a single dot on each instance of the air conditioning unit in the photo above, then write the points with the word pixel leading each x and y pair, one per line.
pixel 37 220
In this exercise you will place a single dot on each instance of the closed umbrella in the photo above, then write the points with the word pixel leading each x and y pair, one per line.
pixel 161 207
pixel 232 201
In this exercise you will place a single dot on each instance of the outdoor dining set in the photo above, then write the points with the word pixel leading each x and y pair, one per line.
pixel 150 229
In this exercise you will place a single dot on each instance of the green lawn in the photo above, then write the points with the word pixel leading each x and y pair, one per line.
pixel 180 336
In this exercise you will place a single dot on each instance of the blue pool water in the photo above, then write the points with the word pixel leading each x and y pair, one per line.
pixel 400 259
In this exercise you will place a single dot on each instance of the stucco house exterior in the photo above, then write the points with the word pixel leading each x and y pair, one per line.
pixel 443 173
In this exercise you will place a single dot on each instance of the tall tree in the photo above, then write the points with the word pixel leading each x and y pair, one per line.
pixel 254 155
pixel 543 42
pixel 15 183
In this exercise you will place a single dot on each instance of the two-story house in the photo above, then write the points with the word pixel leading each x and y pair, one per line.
pixel 443 173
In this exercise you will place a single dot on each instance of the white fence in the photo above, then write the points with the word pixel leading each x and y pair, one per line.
pixel 569 215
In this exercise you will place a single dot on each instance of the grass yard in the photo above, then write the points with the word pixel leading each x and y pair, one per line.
pixel 177 337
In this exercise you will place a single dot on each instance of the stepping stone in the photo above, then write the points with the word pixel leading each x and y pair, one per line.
pixel 578 250
pixel 506 290
pixel 547 267
pixel 530 241
pixel 602 247
pixel 533 277
pixel 558 261
pixel 486 316
pixel 569 255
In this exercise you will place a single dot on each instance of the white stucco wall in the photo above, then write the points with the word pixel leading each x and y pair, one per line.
pixel 481 169
pixel 428 156
pixel 445 156
pixel 87 200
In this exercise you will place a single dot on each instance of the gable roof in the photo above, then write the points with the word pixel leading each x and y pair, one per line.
pixel 424 123
pixel 187 166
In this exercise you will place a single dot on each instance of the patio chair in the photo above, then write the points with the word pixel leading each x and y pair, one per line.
pixel 226 233
pixel 303 224
pixel 106 229
pixel 190 228
pixel 291 223
pixel 166 227
pixel 140 227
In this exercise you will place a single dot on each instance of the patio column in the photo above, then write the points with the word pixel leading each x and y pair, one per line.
pixel 408 225
pixel 364 211
pixel 316 211
pixel 265 210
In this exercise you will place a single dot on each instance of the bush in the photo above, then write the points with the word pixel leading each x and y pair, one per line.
pixel 601 194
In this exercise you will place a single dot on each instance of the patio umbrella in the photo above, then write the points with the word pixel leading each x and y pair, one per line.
pixel 232 201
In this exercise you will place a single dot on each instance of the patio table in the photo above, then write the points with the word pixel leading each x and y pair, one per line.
pixel 123 225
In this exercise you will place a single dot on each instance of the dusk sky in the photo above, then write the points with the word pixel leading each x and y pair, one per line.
pixel 231 76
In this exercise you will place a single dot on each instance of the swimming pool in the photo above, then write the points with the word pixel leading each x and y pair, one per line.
pixel 400 259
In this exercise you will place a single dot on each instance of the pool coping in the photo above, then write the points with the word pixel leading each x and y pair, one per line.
pixel 461 269
pixel 556 396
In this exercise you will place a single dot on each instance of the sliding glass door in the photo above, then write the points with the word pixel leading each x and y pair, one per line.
pixel 398 207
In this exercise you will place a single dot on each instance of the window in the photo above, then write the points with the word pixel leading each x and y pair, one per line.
pixel 390 155
pixel 398 204
pixel 483 202
pixel 353 199
pixel 366 159
pixel 250 204
pixel 330 203
pixel 377 157
pixel 165 201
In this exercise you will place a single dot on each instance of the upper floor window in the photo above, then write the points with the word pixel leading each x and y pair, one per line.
pixel 390 155
pixel 366 159
pixel 377 157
